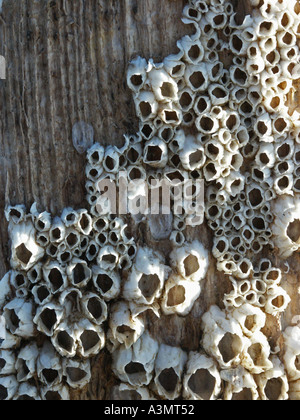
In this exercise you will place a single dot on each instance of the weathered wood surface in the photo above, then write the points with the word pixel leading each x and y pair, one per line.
pixel 66 62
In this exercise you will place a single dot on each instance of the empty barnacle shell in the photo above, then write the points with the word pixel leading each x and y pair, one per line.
pixel 146 279
pixel 223 338
pixel 239 385
pixel 135 365
pixel 169 366
pixel 49 366
pixel 55 277
pixel 8 387
pixel 146 106
pixel 273 384
pixel 77 372
pixel 179 295
pixel 78 272
pixel 18 315
pixel 57 392
pixel 16 214
pixel 7 362
pixel 57 231
pixel 285 228
pixel 25 252
pixel 156 153
pixel 202 379
pixel 291 355
pixel 95 155
pixel 124 327
pixel 107 283
pixel 27 392
pixel 162 84
pixel 191 261
pixel 94 308
pixel 277 300
pixel 196 77
pixel 250 318
pixel 130 393
pixel 64 339
pixel 5 290
pixel 48 317
pixel 136 74
pixel 90 338
pixel 256 357
pixel 192 156
pixel 26 362
pixel 108 258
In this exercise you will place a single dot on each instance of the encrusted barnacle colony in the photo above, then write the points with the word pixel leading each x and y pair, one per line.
pixel 221 110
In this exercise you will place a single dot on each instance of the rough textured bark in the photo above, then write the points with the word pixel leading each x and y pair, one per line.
pixel 66 62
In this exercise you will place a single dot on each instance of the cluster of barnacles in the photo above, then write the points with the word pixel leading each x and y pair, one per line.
pixel 80 283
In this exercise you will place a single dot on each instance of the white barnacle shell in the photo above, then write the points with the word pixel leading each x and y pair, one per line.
pixel 179 295
pixel 156 153
pixel 15 214
pixel 174 65
pixel 64 339
pixel 192 49
pixel 135 365
pixel 196 77
pixel 94 308
pixel 8 387
pixel 169 366
pixel 7 362
pixel 136 74
pixel 57 231
pixel 191 261
pixel 291 355
pixel 85 222
pixel 25 252
pixel 5 290
pixel 108 258
pixel 256 357
pixel 192 156
pixel 273 384
pixel 27 392
pixel 107 283
pixel 163 85
pixel 147 277
pixel 277 300
pixel 250 318
pixel 95 155
pixel 26 362
pixel 57 392
pixel 18 316
pixel 55 277
pixel 202 379
pixel 48 317
pixel 124 327
pixel 286 225
pixel 239 384
pixel 78 272
pixel 90 338
pixel 146 106
pixel 77 372
pixel 126 392
pixel 49 366
pixel 223 338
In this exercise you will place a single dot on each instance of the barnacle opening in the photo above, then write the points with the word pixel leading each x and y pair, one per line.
pixel 168 380
pixel 202 383
pixel 75 374
pixel 191 265
pixel 244 395
pixel 149 284
pixel 176 296
pixel 293 231
pixel 65 341
pixel 89 339
pixel 48 318
pixel 23 254
pixel 230 347
pixel 3 393
pixel 104 282
pixel 273 389
pixel 136 372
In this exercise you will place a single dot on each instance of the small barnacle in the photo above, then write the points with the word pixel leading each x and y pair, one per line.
pixel 191 261
pixel 126 392
pixel 155 153
pixel 25 252
pixel 273 384
pixel 169 366
pixel 27 392
pixel 291 355
pixel 8 387
pixel 18 315
pixel 94 308
pixel 202 379
pixel 136 74
pixel 16 214
pixel 107 283
pixel 26 362
pixel 48 366
pixel 135 365
pixel 48 317
pixel 7 362
pixel 239 385
pixel 77 372
pixel 90 338
pixel 179 295
pixel 78 272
